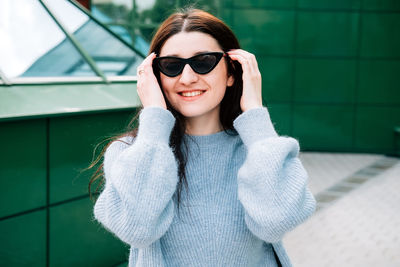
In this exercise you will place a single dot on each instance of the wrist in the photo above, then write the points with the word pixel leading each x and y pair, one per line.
pixel 155 124
pixel 256 105
pixel 253 125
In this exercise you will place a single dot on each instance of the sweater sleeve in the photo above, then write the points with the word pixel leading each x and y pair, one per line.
pixel 272 182
pixel 140 178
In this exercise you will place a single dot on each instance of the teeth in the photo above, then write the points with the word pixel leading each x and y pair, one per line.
pixel 194 93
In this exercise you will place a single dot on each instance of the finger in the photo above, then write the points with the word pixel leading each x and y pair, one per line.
pixel 246 66
pixel 249 57
pixel 149 60
pixel 146 66
pixel 249 71
pixel 243 59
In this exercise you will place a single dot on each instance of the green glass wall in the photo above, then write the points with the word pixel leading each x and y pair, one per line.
pixel 331 69
pixel 46 216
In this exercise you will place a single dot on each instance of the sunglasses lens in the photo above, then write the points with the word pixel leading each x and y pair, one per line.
pixel 170 66
pixel 201 64
pixel 204 63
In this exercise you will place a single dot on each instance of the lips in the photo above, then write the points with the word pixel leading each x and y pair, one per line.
pixel 194 93
pixel 190 95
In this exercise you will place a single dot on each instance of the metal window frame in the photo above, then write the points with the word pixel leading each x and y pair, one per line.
pixel 101 24
pixel 71 80
pixel 4 79
pixel 75 43
pixel 100 78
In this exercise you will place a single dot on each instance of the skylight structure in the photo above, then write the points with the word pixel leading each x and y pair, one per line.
pixel 42 40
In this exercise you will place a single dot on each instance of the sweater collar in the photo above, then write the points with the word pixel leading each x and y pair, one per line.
pixel 211 139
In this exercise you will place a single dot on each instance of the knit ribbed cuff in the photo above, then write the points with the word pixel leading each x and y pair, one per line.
pixel 155 124
pixel 253 125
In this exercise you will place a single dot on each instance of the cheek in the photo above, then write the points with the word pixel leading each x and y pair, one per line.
pixel 166 84
pixel 167 87
pixel 219 84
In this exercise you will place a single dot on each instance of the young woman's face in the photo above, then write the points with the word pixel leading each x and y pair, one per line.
pixel 211 86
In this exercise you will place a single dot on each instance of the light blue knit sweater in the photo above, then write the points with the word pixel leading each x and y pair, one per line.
pixel 245 192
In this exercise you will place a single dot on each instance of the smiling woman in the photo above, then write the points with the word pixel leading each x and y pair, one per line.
pixel 196 97
pixel 202 125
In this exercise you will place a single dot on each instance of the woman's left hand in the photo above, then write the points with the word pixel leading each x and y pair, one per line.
pixel 251 97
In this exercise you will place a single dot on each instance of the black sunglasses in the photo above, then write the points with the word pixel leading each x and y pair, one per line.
pixel 201 63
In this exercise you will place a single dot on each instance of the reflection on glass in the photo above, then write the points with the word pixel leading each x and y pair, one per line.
pixel 151 13
pixel 111 55
pixel 118 18
pixel 116 10
pixel 211 6
pixel 137 20
pixel 31 44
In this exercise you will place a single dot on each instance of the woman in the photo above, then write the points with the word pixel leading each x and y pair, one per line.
pixel 203 125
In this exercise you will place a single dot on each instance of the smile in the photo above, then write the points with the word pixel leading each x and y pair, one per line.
pixel 193 93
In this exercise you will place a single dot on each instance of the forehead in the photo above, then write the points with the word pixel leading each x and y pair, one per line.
pixel 187 44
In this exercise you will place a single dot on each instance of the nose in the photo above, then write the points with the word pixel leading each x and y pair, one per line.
pixel 188 76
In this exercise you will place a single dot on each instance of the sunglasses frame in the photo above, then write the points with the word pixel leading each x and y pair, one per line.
pixel 218 56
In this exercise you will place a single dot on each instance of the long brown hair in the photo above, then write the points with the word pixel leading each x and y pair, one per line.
pixel 188 20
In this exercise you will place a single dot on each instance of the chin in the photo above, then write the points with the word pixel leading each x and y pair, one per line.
pixel 191 113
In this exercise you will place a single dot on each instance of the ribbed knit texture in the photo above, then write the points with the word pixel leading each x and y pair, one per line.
pixel 246 190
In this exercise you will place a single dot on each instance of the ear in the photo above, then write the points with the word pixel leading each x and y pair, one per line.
pixel 230 80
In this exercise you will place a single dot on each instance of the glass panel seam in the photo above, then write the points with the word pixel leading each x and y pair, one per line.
pixel 84 10
pixel 75 42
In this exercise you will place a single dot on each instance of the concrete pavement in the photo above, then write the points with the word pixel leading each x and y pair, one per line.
pixel 358 218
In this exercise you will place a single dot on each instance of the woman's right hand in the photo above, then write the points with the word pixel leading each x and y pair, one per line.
pixel 148 88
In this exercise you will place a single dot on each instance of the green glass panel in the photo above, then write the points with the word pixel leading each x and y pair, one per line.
pixel 23 240
pixel 381 5
pixel 125 264
pixel 226 15
pixel 325 80
pixel 324 127
pixel 374 128
pixel 225 4
pixel 77 240
pixel 265 3
pixel 117 16
pixel 380 35
pixel 280 116
pixel 379 82
pixel 276 78
pixel 210 6
pixel 152 13
pixel 327 34
pixel 329 4
pixel 265 32
pixel 22 166
pixel 72 142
